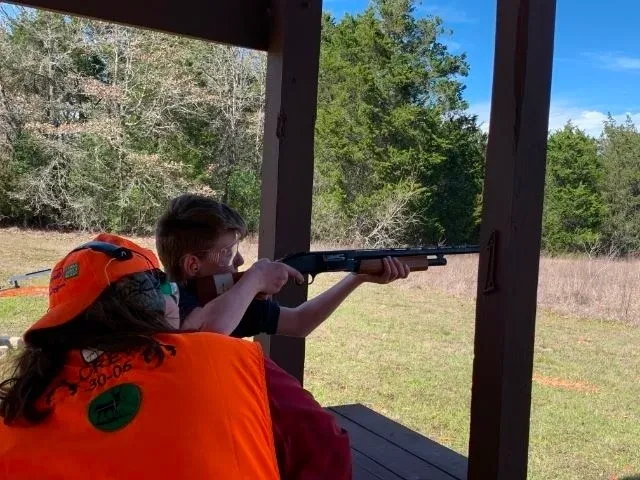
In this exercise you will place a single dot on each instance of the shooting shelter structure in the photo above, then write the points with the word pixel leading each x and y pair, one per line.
pixel 289 31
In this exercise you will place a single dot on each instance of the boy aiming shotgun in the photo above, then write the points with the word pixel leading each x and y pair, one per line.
pixel 198 237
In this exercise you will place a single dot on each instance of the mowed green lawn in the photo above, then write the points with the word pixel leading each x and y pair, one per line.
pixel 407 353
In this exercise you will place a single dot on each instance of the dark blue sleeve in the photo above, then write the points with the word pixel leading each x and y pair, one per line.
pixel 187 302
pixel 261 317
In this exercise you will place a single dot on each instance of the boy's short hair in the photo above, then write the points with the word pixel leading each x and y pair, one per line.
pixel 192 224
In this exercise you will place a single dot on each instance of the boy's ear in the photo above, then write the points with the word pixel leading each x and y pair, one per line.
pixel 190 265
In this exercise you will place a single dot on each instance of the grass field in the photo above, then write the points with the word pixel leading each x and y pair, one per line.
pixel 406 351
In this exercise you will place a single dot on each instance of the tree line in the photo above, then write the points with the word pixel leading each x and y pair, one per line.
pixel 592 195
pixel 101 124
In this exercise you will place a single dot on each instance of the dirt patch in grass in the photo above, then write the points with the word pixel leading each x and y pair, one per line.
pixel 33 291
pixel 554 382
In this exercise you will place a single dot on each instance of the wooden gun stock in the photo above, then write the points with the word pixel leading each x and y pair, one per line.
pixel 212 286
pixel 416 263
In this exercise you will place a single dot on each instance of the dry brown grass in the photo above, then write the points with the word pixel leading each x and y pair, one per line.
pixel 584 287
pixel 43 247
pixel 589 287
pixel 599 288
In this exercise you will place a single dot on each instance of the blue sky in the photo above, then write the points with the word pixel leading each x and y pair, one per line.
pixel 597 55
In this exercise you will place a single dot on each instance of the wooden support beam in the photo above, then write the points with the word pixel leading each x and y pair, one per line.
pixel 244 23
pixel 510 237
pixel 287 169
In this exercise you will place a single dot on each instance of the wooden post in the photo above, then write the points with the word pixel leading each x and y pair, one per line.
pixel 510 237
pixel 287 169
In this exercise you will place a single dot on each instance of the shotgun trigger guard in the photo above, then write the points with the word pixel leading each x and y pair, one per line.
pixel 307 283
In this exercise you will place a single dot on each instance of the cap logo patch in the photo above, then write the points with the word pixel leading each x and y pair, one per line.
pixel 71 271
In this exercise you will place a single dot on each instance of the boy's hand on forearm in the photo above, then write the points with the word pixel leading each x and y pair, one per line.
pixel 393 270
pixel 270 277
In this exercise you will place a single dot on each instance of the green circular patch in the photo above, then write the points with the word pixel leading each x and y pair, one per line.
pixel 115 408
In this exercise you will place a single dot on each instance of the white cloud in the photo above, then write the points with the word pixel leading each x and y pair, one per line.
pixel 452 45
pixel 616 61
pixel 483 111
pixel 591 121
pixel 448 13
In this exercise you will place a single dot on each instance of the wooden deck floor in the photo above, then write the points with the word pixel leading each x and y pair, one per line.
pixel 386 450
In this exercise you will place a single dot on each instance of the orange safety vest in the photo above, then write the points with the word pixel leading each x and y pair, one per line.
pixel 202 414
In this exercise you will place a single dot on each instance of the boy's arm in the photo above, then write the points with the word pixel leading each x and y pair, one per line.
pixel 304 319
pixel 224 313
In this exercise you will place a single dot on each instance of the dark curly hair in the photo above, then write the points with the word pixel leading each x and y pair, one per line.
pixel 116 322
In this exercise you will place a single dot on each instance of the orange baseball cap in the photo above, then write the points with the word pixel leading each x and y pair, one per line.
pixel 80 278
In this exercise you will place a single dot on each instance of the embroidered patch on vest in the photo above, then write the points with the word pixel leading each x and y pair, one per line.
pixel 115 408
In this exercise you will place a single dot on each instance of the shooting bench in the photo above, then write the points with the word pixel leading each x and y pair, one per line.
pixel 383 449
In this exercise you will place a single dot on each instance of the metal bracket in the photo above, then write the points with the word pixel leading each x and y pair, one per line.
pixel 490 278
pixel 281 124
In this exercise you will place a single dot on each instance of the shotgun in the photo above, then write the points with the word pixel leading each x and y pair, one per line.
pixel 27 276
pixel 366 261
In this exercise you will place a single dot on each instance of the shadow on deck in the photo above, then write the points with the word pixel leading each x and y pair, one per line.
pixel 383 449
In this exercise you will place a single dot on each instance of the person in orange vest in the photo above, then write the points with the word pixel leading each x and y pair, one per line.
pixel 107 388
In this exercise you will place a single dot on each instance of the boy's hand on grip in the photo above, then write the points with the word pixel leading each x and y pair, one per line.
pixel 271 276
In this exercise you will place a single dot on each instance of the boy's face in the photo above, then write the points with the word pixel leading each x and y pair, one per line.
pixel 223 257
pixel 171 312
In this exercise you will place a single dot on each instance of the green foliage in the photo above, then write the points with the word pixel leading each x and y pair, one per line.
pixel 102 124
pixel 592 197
pixel 391 135
pixel 620 152
pixel 244 194
pixel 574 208
pixel 105 123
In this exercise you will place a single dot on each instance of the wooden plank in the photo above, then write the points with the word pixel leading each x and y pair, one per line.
pixel 239 22
pixel 510 237
pixel 401 462
pixel 287 171
pixel 432 452
pixel 365 469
